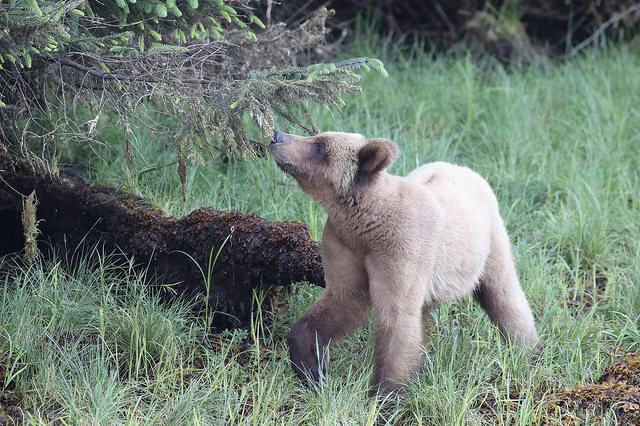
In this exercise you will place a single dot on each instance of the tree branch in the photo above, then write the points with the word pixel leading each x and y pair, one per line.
pixel 110 76
pixel 603 27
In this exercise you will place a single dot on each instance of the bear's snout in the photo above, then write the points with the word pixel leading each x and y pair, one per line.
pixel 278 137
pixel 278 147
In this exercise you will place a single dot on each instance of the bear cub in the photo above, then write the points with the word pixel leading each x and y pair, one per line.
pixel 399 245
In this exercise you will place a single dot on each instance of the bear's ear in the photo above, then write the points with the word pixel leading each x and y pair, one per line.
pixel 375 155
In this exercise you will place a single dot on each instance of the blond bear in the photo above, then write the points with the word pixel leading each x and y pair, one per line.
pixel 400 245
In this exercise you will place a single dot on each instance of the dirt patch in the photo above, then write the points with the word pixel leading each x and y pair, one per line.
pixel 14 410
pixel 584 297
pixel 490 406
pixel 251 251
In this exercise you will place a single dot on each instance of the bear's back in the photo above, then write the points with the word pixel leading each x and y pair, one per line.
pixel 455 185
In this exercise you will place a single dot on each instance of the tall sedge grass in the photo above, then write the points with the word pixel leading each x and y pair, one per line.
pixel 560 144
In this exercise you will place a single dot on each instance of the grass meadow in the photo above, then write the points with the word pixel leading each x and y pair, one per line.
pixel 560 144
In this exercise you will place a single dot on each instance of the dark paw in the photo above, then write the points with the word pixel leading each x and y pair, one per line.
pixel 389 389
pixel 305 351
pixel 537 352
pixel 309 373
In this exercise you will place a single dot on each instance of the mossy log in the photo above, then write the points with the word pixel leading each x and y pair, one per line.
pixel 252 252
pixel 618 392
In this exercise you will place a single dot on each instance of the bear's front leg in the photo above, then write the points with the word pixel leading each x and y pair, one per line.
pixel 343 306
pixel 330 318
pixel 399 328
pixel 306 349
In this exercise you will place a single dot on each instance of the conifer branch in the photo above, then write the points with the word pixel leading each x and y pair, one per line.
pixel 210 76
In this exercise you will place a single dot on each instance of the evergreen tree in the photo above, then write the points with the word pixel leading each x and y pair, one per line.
pixel 65 64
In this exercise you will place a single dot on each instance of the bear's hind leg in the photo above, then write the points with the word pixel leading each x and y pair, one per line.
pixel 501 296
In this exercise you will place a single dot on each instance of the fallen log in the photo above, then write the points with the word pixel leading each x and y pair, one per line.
pixel 252 252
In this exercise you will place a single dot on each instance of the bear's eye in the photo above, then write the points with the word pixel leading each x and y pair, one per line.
pixel 318 149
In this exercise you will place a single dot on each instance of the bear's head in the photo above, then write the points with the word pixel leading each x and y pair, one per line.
pixel 332 161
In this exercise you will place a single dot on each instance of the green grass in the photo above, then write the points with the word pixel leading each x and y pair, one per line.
pixel 559 143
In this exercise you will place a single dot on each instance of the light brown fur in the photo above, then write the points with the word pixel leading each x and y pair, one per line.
pixel 400 245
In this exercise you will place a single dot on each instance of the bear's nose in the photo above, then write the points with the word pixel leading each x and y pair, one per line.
pixel 278 137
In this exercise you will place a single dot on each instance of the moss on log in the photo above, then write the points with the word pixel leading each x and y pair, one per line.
pixel 253 252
